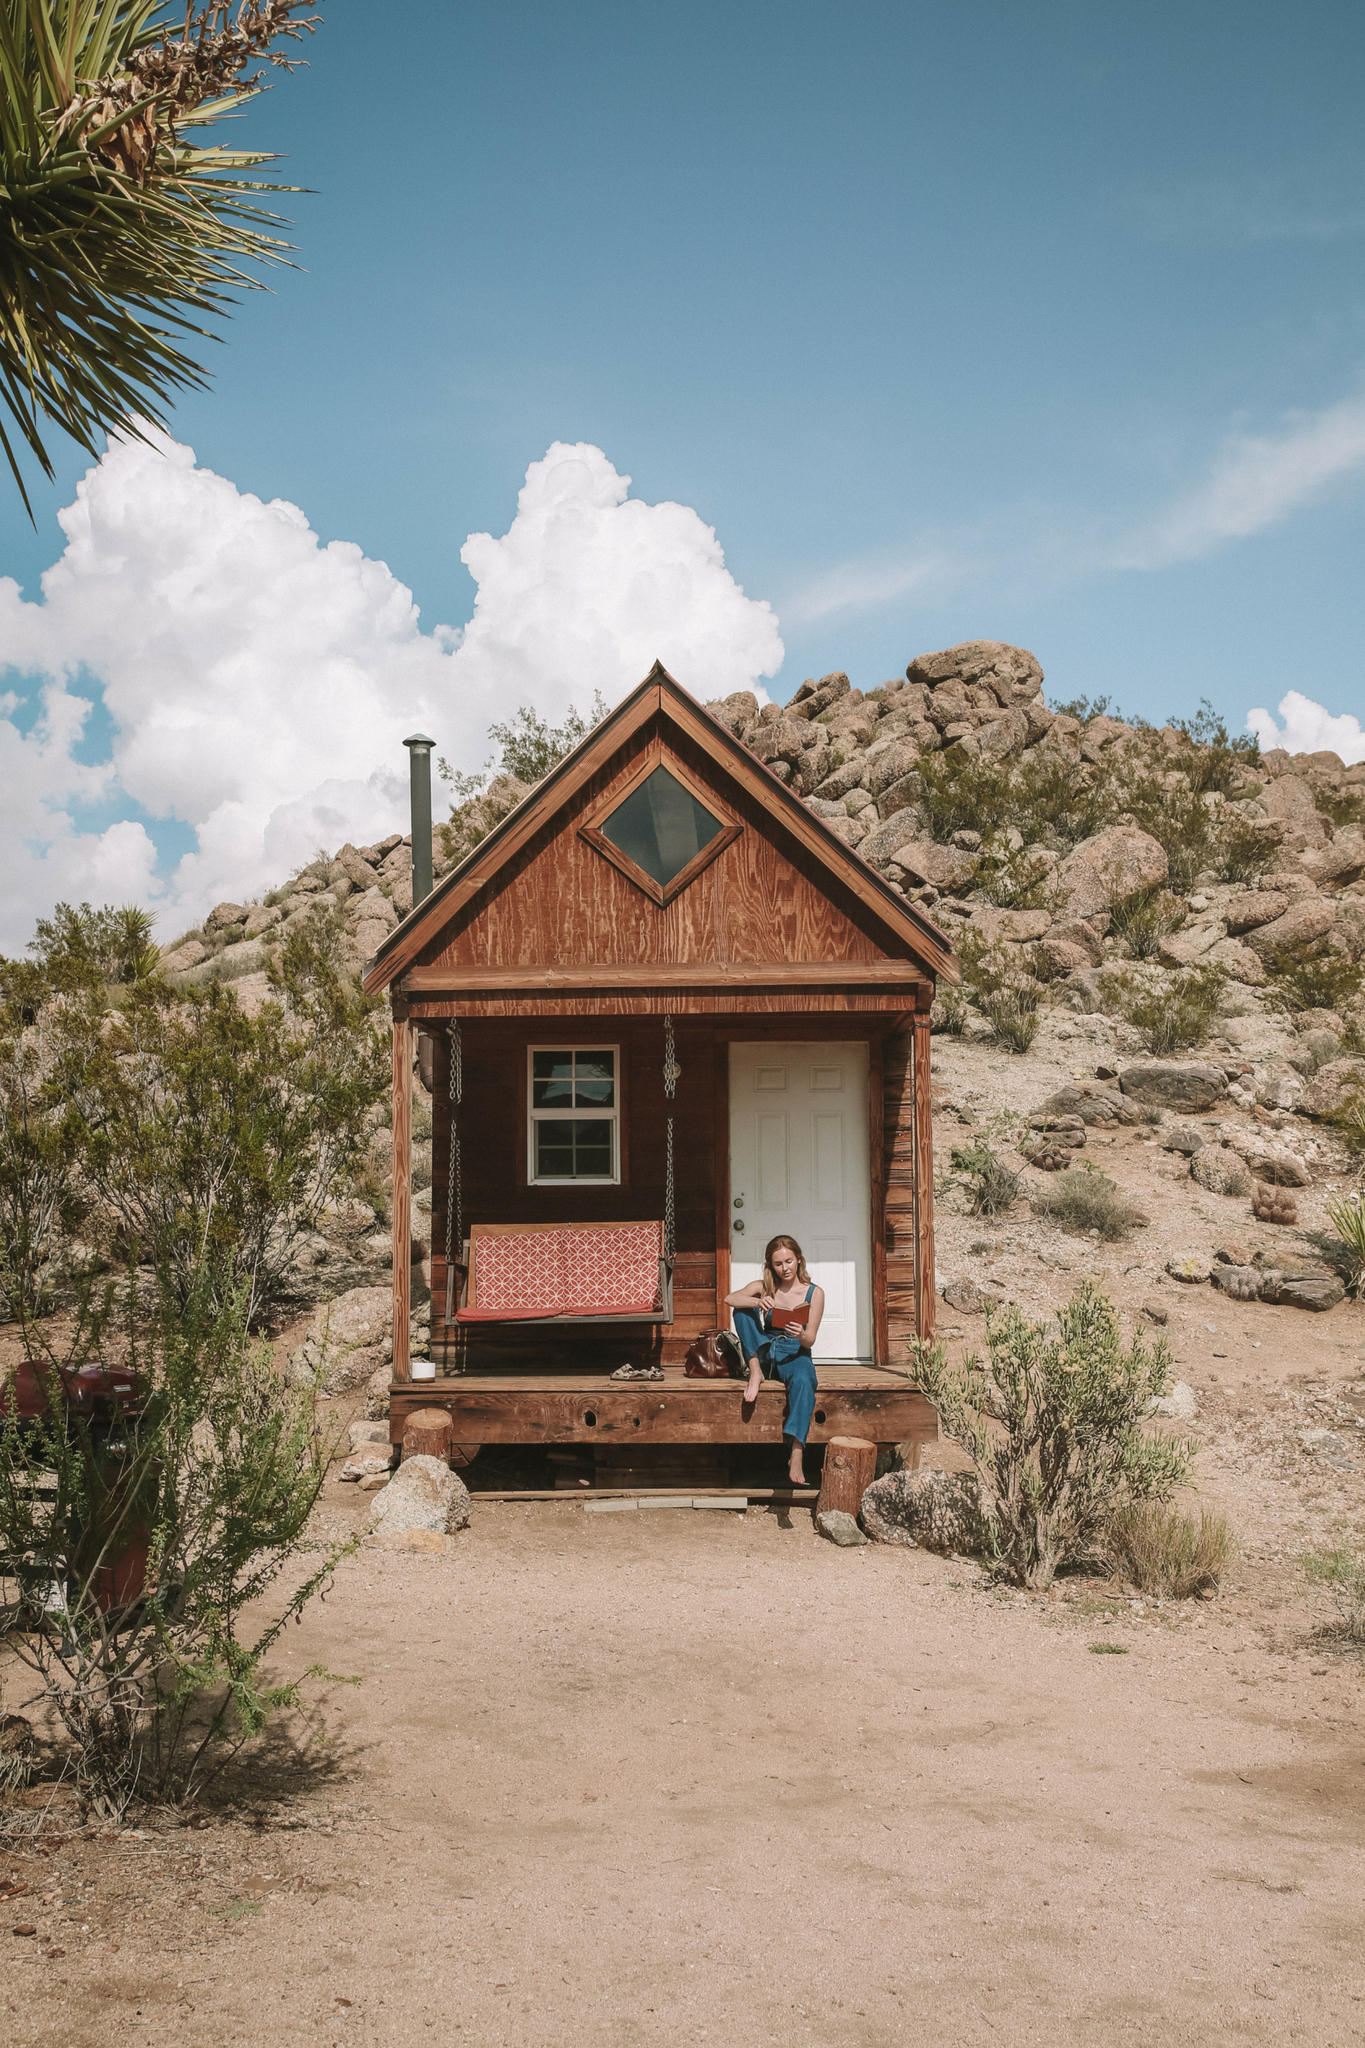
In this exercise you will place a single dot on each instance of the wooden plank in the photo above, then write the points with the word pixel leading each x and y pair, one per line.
pixel 727 1003
pixel 877 1176
pixel 702 1412
pixel 690 975
pixel 401 1209
pixel 720 1147
pixel 794 1496
pixel 925 1298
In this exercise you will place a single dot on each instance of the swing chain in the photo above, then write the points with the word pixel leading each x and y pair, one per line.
pixel 455 1178
pixel 671 1072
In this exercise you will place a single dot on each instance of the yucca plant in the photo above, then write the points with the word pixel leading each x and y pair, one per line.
pixel 120 238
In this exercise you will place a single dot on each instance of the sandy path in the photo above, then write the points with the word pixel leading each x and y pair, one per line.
pixel 682 1776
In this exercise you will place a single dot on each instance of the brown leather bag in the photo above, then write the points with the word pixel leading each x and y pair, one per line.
pixel 706 1359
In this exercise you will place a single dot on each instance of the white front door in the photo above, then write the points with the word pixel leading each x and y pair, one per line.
pixel 799 1167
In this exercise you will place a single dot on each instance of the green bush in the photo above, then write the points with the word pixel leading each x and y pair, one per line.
pixel 1083 1199
pixel 1013 1015
pixel 1321 979
pixel 157 1688
pixel 1052 1420
pixel 1173 1013
pixel 983 1176
pixel 1161 1550
pixel 1144 919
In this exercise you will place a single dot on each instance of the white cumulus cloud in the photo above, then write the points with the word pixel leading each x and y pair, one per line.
pixel 258 683
pixel 1309 728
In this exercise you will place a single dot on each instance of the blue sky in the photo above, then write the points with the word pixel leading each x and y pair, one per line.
pixel 1043 323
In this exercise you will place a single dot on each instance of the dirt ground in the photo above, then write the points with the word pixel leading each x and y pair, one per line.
pixel 679 1775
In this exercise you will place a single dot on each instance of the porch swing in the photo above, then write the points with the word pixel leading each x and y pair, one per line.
pixel 537 1274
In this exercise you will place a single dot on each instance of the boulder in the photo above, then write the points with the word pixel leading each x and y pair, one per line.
pixel 1183 1138
pixel 1332 1088
pixel 1112 865
pixel 948 1512
pixel 1275 1164
pixel 184 957
pixel 347 1341
pixel 224 915
pixel 1316 1291
pixel 1016 927
pixel 736 712
pixel 1002 738
pixel 966 1297
pixel 1301 926
pixel 368 1460
pixel 1075 931
pixel 423 1494
pixel 1190 1268
pixel 1218 1169
pixel 1056 958
pixel 377 1392
pixel 1238 962
pixel 891 763
pixel 261 918
pixel 1162 1085
pixel 1257 907
pixel 924 863
pixel 841 1529
pixel 1011 674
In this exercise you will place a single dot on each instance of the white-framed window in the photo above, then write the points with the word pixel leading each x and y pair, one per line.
pixel 573 1114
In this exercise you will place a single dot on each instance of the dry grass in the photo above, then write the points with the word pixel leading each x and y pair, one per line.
pixel 1083 1199
pixel 1344 1572
pixel 1162 1550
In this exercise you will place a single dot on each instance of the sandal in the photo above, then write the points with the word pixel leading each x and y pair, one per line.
pixel 638 1372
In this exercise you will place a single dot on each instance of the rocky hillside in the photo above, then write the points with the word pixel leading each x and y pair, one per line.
pixel 1169 891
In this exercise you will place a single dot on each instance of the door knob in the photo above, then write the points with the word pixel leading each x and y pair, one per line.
pixel 738 1224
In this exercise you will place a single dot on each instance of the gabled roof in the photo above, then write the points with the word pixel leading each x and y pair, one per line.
pixel 659 695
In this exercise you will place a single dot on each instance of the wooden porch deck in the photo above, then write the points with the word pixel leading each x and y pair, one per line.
pixel 573 1407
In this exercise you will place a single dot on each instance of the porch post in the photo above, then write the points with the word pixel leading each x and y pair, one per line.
pixel 925 1302
pixel 401 1207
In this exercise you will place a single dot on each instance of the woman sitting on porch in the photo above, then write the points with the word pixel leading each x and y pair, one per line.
pixel 777 1318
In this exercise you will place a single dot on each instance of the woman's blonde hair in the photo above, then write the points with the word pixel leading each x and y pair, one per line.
pixel 775 1244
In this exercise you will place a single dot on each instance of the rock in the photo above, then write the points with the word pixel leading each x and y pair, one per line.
pixel 1324 1443
pixel 367 1461
pixel 1013 927
pixel 1011 674
pixel 924 863
pixel 1275 1163
pixel 1183 1138
pixel 184 957
pixel 346 1341
pixel 1075 931
pixel 1238 962
pixel 1055 958
pixel 423 1494
pixel 1289 800
pixel 891 763
pixel 1301 926
pixel 1105 869
pixel 1257 907
pixel 841 1529
pixel 361 1433
pixel 1177 1406
pixel 1317 1291
pixel 1190 1268
pixel 225 914
pixel 948 1512
pixel 1156 1312
pixel 1219 1169
pixel 1332 1088
pixel 965 1296
pixel 1165 1086
pixel 377 1391
pixel 1003 738
pixel 1239 1283
pixel 261 918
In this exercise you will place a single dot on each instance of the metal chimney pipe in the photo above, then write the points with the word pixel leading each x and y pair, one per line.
pixel 419 763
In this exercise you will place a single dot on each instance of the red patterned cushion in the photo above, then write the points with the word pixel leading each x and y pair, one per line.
pixel 596 1269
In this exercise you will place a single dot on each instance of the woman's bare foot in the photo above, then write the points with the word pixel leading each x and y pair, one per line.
pixel 755 1380
pixel 797 1469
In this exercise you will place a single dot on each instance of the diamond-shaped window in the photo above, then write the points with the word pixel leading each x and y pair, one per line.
pixel 661 827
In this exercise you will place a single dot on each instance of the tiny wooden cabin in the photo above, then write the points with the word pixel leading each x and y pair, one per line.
pixel 663 994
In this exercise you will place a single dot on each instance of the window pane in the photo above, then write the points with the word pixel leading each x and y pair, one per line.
pixel 573 1149
pixel 595 1080
pixel 661 826
pixel 552 1080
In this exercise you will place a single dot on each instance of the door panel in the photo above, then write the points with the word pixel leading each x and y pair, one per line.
pixel 799 1164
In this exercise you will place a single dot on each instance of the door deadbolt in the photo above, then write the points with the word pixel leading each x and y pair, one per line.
pixel 739 1201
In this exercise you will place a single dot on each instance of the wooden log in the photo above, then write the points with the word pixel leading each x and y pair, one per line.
pixel 427 1433
pixel 925 1298
pixel 850 1466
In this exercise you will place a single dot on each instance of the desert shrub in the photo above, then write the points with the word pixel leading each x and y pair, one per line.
pixel 983 1176
pixel 1348 1221
pixel 1160 1549
pixel 1320 979
pixel 953 1003
pixel 1342 806
pixel 1217 759
pixel 1173 813
pixel 957 793
pixel 1172 1013
pixel 1013 1014
pixel 1052 1420
pixel 1240 850
pixel 1013 878
pixel 1086 708
pixel 156 1685
pixel 1084 1199
pixel 1344 1571
pixel 1144 919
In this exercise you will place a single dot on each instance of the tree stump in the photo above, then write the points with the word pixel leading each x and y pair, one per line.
pixel 427 1434
pixel 462 1455
pixel 850 1466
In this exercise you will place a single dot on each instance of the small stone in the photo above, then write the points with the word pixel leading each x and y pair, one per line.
pixel 841 1529
pixel 964 1295
pixel 1177 1406
pixel 1183 1138
pixel 1156 1312
pixel 1193 1270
